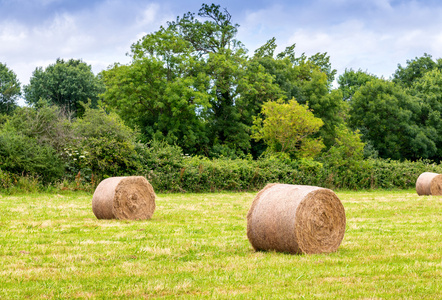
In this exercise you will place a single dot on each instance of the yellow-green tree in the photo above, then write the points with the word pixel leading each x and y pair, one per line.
pixel 289 128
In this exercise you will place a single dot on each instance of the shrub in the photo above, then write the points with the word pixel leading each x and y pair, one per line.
pixel 22 155
pixel 162 164
pixel 47 124
pixel 103 147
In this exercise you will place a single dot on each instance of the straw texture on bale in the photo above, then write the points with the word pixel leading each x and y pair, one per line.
pixel 124 198
pixel 296 219
pixel 429 184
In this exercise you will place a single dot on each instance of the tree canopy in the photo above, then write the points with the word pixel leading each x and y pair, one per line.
pixel 9 89
pixel 415 69
pixel 67 84
pixel 289 128
pixel 193 84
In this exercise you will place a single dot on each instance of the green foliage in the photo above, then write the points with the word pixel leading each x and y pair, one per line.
pixel 200 174
pixel 192 85
pixel 211 36
pixel 162 164
pixel 23 155
pixel 429 92
pixel 104 146
pixel 388 119
pixel 7 180
pixel 47 124
pixel 288 127
pixel 9 89
pixel 308 80
pixel 161 98
pixel 344 160
pixel 348 148
pixel 66 84
pixel 351 81
pixel 415 69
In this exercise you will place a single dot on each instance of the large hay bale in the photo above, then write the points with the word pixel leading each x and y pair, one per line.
pixel 296 219
pixel 429 184
pixel 124 198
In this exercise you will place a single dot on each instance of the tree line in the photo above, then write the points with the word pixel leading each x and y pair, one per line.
pixel 193 85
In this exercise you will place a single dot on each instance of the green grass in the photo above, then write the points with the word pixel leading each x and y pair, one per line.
pixel 195 246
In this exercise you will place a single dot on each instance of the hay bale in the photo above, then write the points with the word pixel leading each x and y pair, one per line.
pixel 124 198
pixel 296 219
pixel 429 184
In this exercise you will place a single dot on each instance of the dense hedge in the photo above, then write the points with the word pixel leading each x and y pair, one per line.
pixel 170 171
pixel 200 174
pixel 43 149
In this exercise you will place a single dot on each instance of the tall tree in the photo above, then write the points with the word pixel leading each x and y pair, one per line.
pixel 387 118
pixel 67 84
pixel 415 69
pixel 9 89
pixel 161 97
pixel 351 81
pixel 193 85
pixel 308 80
pixel 428 89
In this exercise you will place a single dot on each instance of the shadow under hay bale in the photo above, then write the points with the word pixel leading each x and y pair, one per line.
pixel 429 184
pixel 296 219
pixel 124 198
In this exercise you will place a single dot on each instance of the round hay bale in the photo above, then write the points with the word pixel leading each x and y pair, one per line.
pixel 124 198
pixel 296 219
pixel 429 184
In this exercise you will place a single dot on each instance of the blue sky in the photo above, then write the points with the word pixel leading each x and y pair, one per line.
pixel 374 36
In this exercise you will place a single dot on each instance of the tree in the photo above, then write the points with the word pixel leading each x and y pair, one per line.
pixel 212 36
pixel 428 89
pixel 289 128
pixel 48 125
pixel 160 93
pixel 9 89
pixel 387 117
pixel 192 84
pixel 67 84
pixel 415 69
pixel 237 88
pixel 308 80
pixel 351 81
pixel 104 145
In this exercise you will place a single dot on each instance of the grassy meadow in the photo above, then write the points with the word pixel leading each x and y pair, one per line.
pixel 195 246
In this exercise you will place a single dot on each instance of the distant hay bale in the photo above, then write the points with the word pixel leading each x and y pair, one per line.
pixel 429 184
pixel 296 219
pixel 124 198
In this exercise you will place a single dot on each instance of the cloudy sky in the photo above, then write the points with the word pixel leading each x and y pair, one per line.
pixel 372 35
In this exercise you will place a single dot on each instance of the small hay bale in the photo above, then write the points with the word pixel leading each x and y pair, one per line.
pixel 124 198
pixel 296 219
pixel 429 184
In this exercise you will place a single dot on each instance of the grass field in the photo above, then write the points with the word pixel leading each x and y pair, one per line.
pixel 195 246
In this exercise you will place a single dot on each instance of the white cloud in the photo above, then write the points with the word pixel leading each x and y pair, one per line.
pixel 371 35
pixel 100 36
pixel 12 37
pixel 148 16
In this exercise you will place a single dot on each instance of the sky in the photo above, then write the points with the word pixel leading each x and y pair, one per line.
pixel 372 35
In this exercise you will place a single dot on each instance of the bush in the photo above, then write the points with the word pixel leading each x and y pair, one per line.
pixel 103 147
pixel 22 155
pixel 162 164
pixel 178 173
pixel 48 125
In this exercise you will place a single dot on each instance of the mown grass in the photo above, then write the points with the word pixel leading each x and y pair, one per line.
pixel 195 246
